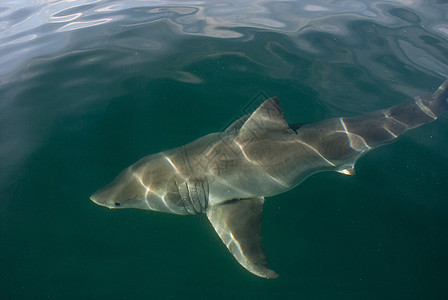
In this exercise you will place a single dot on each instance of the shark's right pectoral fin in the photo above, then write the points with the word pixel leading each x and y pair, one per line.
pixel 238 224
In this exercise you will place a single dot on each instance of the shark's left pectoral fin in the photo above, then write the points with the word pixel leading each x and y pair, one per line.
pixel 238 224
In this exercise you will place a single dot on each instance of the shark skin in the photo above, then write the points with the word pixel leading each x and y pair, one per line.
pixel 227 175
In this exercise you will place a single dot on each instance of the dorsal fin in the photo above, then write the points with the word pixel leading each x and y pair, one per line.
pixel 268 116
pixel 235 127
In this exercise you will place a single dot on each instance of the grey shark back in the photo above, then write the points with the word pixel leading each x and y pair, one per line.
pixel 227 175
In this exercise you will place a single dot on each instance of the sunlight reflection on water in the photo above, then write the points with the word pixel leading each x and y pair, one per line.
pixel 41 28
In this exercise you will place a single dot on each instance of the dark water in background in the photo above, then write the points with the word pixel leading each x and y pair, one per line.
pixel 89 87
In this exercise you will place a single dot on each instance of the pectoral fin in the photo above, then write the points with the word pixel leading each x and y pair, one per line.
pixel 238 224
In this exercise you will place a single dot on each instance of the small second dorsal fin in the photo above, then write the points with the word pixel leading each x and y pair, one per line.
pixel 347 171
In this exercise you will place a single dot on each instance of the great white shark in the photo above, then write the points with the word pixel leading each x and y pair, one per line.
pixel 228 174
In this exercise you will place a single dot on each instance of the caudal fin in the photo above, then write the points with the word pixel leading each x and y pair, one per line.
pixel 384 126
pixel 442 91
pixel 437 103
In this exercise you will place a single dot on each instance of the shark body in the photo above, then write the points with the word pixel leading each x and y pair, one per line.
pixel 227 175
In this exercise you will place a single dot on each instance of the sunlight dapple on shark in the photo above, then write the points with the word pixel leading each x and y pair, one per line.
pixel 226 175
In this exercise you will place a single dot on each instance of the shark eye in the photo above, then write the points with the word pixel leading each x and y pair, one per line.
pixel 117 204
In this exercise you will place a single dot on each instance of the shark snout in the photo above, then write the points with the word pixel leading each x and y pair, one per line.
pixel 104 197
pixel 95 200
pixel 124 192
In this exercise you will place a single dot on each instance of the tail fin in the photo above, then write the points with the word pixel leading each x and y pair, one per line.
pixel 435 104
pixel 383 126
pixel 442 91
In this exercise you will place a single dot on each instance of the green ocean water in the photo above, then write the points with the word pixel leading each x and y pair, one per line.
pixel 80 103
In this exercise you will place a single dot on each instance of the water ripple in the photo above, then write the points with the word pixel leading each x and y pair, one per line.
pixel 43 28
